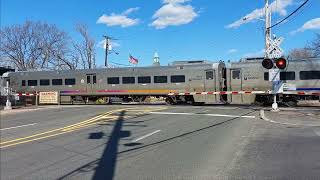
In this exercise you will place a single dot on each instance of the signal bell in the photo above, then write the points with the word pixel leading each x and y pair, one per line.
pixel 267 63
pixel 281 63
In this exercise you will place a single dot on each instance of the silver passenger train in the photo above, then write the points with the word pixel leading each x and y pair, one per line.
pixel 194 82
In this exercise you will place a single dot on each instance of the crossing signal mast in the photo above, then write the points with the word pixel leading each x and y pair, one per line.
pixel 273 59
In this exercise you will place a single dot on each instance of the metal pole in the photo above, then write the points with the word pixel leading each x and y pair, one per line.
pixel 267 30
pixel 36 99
pixel 267 45
pixel 106 51
pixel 8 103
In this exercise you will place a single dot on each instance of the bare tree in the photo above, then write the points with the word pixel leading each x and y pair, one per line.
pixel 314 46
pixel 34 45
pixel 85 48
pixel 300 53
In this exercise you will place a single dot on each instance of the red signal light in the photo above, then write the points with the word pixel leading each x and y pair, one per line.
pixel 281 63
pixel 267 63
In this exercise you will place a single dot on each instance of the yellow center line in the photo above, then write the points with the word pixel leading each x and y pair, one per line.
pixel 70 128
pixel 59 129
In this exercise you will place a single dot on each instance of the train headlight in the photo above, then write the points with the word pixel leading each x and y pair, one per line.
pixel 267 63
pixel 281 63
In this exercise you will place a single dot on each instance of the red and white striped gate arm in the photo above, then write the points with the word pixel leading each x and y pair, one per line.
pixel 218 93
pixel 26 94
pixel 243 92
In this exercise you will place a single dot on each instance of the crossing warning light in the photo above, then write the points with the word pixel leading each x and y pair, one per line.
pixel 281 63
pixel 267 63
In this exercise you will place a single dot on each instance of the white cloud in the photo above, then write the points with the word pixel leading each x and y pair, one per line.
pixel 231 51
pixel 102 44
pixel 277 6
pixel 173 13
pixel 119 19
pixel 130 10
pixel 309 25
pixel 255 54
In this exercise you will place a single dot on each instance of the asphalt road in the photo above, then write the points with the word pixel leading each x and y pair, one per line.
pixel 155 142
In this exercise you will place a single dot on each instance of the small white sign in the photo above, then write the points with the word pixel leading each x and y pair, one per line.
pixel 274 75
pixel 82 81
pixel 48 97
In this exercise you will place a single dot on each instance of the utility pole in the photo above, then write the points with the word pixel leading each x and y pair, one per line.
pixel 267 28
pixel 107 38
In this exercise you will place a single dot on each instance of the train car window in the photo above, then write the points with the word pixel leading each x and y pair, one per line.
pixel 32 82
pixel 71 81
pixel 266 76
pixel 128 80
pixel 287 75
pixel 23 82
pixel 160 79
pixel 94 79
pixel 113 80
pixel 236 74
pixel 308 75
pixel 209 75
pixel 44 82
pixel 88 80
pixel 178 79
pixel 56 82
pixel 144 79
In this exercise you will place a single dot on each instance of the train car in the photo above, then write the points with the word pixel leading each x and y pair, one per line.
pixel 130 84
pixel 300 76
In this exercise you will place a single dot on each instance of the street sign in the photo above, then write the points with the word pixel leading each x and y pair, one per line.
pixel 48 97
pixel 274 75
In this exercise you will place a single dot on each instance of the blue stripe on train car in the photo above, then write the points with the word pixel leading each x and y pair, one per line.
pixel 308 89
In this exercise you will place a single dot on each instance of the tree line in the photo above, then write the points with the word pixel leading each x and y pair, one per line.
pixel 42 46
pixel 311 50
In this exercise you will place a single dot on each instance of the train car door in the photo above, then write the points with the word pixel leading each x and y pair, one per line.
pixel 91 83
pixel 236 84
pixel 210 85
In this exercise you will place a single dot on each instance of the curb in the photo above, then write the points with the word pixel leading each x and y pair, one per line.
pixel 263 117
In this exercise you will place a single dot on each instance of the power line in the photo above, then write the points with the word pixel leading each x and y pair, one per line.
pixel 289 15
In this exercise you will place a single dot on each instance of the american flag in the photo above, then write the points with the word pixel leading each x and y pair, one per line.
pixel 133 60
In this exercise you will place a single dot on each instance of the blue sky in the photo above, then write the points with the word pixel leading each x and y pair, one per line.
pixel 176 29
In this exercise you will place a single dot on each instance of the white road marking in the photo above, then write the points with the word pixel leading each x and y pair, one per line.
pixel 18 126
pixel 145 136
pixel 194 114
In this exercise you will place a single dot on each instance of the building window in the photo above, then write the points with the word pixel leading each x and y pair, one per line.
pixel 23 82
pixel 94 79
pixel 44 82
pixel 178 79
pixel 71 81
pixel 287 75
pixel 88 79
pixel 128 80
pixel 308 75
pixel 113 80
pixel 32 82
pixel 56 82
pixel 144 79
pixel 209 75
pixel 266 76
pixel 160 79
pixel 236 74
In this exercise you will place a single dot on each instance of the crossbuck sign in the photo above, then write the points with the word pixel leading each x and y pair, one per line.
pixel 274 51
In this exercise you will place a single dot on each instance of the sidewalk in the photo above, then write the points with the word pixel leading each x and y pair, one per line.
pixel 296 118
